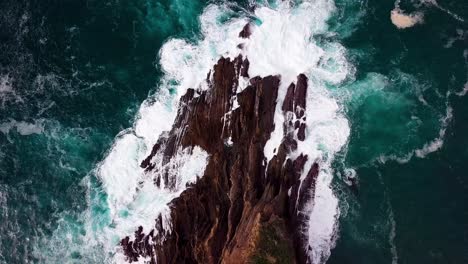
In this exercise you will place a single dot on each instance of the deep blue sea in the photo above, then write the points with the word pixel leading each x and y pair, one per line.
pixel 74 74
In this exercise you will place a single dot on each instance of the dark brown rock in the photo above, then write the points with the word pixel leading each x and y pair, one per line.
pixel 300 93
pixel 301 132
pixel 246 31
pixel 295 99
pixel 222 218
pixel 288 103
pixel 245 68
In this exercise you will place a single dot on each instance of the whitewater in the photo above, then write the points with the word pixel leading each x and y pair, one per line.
pixel 283 42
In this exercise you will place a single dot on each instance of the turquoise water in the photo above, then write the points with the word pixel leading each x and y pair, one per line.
pixel 74 73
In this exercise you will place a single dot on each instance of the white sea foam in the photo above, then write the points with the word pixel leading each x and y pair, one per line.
pixel 430 147
pixel 438 142
pixel 133 198
pixel 22 127
pixel 281 43
pixel 5 84
pixel 464 90
pixel 284 45
pixel 461 35
pixel 402 20
pixel 465 86
pixel 392 234
pixel 7 92
pixel 392 223
pixel 450 13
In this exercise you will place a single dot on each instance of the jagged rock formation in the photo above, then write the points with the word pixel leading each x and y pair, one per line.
pixel 243 209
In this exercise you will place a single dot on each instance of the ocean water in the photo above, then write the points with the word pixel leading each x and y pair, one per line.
pixel 87 86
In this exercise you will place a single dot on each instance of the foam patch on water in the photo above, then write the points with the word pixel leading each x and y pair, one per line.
pixel 5 84
pixel 430 147
pixel 402 20
pixel 438 142
pixel 460 36
pixel 448 12
pixel 23 128
pixel 7 91
pixel 465 86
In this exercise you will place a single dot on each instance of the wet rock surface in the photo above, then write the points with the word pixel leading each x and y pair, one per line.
pixel 246 31
pixel 220 218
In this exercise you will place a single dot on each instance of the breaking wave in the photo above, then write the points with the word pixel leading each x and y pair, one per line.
pixel 283 42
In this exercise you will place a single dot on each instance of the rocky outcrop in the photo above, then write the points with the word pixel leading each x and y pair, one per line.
pixel 244 209
pixel 246 31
